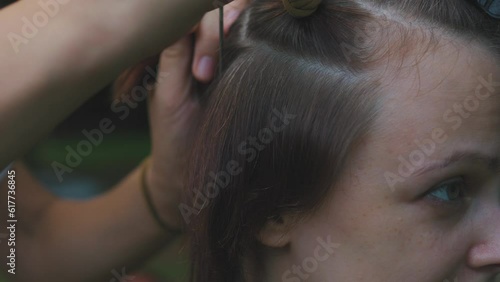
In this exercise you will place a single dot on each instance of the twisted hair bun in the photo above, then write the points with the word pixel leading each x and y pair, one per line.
pixel 301 8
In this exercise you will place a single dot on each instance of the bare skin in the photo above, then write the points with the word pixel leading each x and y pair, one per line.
pixel 60 65
pixel 60 240
pixel 434 221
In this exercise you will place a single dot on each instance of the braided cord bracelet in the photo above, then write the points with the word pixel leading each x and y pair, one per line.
pixel 149 202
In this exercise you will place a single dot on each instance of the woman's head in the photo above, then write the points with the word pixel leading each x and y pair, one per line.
pixel 351 145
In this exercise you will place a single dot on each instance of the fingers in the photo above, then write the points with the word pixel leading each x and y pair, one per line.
pixel 232 11
pixel 174 116
pixel 174 85
pixel 207 44
pixel 207 39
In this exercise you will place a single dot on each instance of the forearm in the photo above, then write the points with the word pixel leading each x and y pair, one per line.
pixel 60 240
pixel 47 75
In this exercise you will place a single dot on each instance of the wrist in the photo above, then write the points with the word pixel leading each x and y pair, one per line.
pixel 165 196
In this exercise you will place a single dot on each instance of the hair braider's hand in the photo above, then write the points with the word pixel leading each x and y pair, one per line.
pixel 207 38
pixel 173 114
pixel 174 111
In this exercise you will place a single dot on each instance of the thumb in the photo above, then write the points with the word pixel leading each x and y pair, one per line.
pixel 174 81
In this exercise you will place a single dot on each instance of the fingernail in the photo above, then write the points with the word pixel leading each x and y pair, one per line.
pixel 206 67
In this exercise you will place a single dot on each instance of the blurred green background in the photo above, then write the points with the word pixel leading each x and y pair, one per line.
pixel 118 154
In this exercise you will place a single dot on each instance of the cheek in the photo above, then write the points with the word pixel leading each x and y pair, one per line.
pixel 387 240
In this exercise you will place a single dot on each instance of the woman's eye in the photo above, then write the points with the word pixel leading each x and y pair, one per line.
pixel 452 190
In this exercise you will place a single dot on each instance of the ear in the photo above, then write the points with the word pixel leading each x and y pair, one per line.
pixel 276 231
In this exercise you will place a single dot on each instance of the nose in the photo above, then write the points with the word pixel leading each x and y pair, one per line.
pixel 485 254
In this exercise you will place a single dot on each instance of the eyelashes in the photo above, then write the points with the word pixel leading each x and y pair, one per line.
pixel 449 192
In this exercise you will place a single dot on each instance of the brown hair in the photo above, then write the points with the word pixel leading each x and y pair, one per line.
pixel 318 70
pixel 253 163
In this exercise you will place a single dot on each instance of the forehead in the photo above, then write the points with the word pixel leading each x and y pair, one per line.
pixel 453 89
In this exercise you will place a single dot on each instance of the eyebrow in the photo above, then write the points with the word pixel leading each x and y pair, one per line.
pixel 491 162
